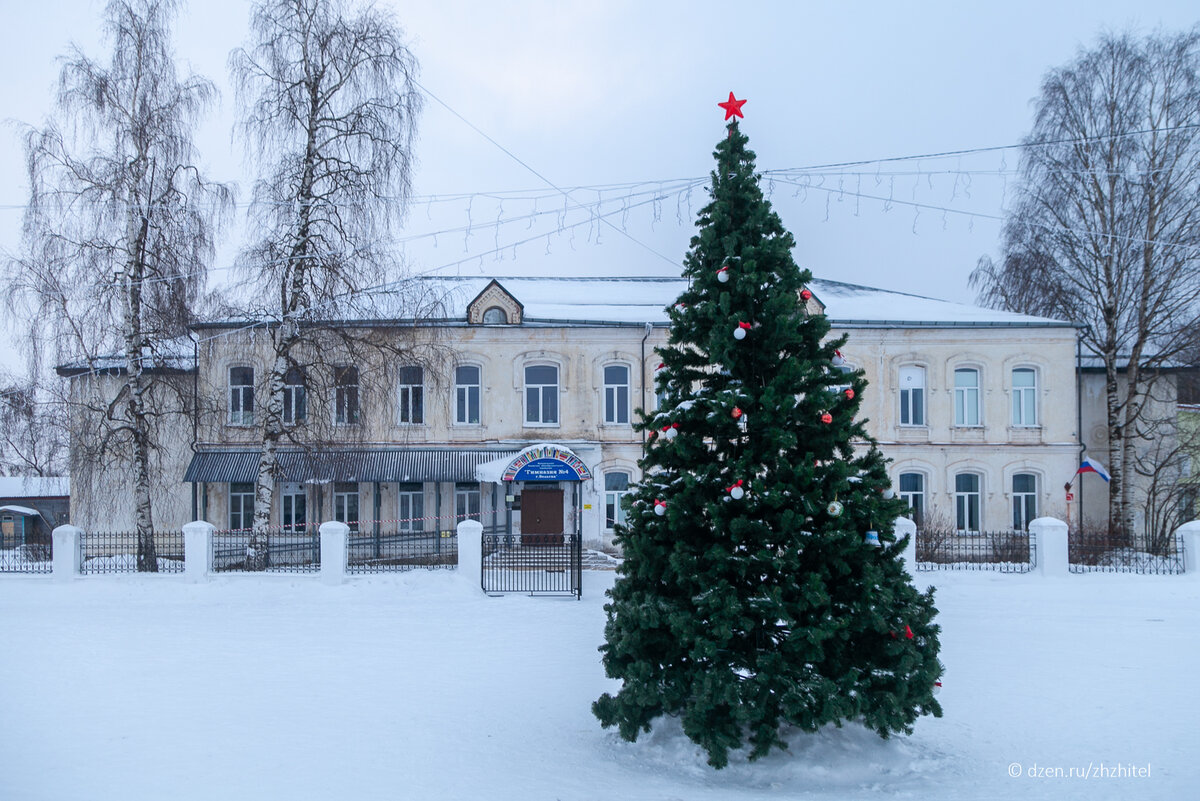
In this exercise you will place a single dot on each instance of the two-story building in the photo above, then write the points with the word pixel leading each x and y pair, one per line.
pixel 518 402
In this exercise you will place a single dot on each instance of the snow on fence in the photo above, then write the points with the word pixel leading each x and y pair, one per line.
pixel 118 552
pixel 290 549
pixel 1111 552
pixel 1000 551
pixel 26 558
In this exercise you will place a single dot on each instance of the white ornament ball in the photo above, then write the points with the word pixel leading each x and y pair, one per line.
pixel 838 360
pixel 660 509
pixel 737 493
pixel 723 276
pixel 670 433
pixel 739 333
pixel 834 509
pixel 889 493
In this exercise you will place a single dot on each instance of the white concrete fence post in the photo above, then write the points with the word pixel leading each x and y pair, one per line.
pixel 906 527
pixel 470 553
pixel 197 550
pixel 65 559
pixel 1050 539
pixel 1189 538
pixel 334 541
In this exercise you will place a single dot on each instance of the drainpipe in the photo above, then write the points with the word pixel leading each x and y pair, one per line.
pixel 1079 413
pixel 649 328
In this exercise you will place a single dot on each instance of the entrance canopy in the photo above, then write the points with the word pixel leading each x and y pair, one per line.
pixel 542 462
pixel 383 465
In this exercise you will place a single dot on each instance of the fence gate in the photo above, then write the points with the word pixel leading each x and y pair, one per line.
pixel 535 565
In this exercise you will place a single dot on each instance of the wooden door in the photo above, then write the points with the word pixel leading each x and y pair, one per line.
pixel 542 517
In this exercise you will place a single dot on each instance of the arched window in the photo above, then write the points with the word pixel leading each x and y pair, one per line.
pixel 966 396
pixel 411 394
pixel 912 490
pixel 541 394
pixel 345 395
pixel 1024 500
pixel 967 500
pixel 466 394
pixel 1024 397
pixel 295 397
pixel 616 394
pixel 912 395
pixel 494 315
pixel 241 396
pixel 616 487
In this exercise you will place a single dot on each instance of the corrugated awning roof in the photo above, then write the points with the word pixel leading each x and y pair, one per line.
pixel 399 464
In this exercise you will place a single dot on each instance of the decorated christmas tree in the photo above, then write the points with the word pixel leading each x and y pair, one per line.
pixel 762 586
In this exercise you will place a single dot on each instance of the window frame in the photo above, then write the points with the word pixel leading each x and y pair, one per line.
pixel 962 394
pixel 1024 399
pixel 612 499
pixel 483 318
pixel 907 407
pixel 342 496
pixel 1024 502
pixel 295 397
pixel 245 490
pixel 462 397
pixel 239 395
pixel 410 506
pixel 467 495
pixel 346 398
pixel 922 494
pixel 613 395
pixel 544 391
pixel 963 504
pixel 288 495
pixel 410 396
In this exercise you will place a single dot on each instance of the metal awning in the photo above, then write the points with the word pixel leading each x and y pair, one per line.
pixel 391 464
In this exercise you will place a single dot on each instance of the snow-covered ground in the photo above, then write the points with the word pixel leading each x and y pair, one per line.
pixel 414 686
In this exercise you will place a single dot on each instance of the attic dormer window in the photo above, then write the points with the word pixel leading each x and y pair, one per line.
pixel 495 315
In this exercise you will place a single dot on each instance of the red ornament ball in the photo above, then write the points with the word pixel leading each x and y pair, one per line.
pixel 736 412
pixel 827 418
pixel 850 394
pixel 805 294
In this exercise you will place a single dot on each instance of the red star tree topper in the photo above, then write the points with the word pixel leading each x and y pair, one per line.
pixel 733 108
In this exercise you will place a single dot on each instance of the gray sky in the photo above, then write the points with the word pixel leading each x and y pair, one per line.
pixel 606 93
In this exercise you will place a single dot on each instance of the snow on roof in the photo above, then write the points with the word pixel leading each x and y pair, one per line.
pixel 20 510
pixel 641 300
pixel 34 487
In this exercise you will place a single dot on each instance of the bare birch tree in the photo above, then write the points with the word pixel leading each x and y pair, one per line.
pixel 1105 229
pixel 118 231
pixel 329 113
pixel 32 431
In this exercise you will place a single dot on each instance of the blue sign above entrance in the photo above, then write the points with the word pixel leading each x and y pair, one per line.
pixel 546 463
pixel 546 470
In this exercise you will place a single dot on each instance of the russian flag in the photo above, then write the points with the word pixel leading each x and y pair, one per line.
pixel 1090 465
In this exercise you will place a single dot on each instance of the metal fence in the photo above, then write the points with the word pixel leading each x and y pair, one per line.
pixel 289 550
pixel 27 558
pixel 117 552
pixel 549 565
pixel 385 548
pixel 1000 551
pixel 1105 552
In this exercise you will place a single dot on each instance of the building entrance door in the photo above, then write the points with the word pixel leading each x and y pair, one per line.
pixel 542 517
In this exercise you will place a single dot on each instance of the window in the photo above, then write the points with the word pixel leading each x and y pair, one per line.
pixel 412 395
pixel 345 503
pixel 494 315
pixel 295 397
pixel 912 491
pixel 541 395
pixel 411 507
pixel 966 397
pixel 616 394
pixel 466 502
pixel 293 508
pixel 616 486
pixel 241 506
pixel 466 395
pixel 1024 397
pixel 966 503
pixel 1024 500
pixel 912 396
pixel 241 396
pixel 345 395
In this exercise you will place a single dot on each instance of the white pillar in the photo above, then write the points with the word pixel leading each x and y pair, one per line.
pixel 65 565
pixel 197 550
pixel 1189 538
pixel 905 527
pixel 1050 539
pixel 470 553
pixel 333 551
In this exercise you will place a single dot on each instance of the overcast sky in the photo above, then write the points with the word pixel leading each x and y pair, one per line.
pixel 601 93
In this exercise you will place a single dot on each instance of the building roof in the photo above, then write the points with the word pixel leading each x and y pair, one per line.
pixel 382 464
pixel 34 487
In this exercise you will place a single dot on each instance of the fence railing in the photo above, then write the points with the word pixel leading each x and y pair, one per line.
pixel 386 548
pixel 1105 552
pixel 288 550
pixel 27 558
pixel 541 565
pixel 1000 551
pixel 119 552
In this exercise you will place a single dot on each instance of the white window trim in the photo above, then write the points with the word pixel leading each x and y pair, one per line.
pixel 525 386
pixel 978 494
pixel 628 385
pixel 357 396
pixel 403 393
pixel 479 387
pixel 924 397
pixel 978 388
pixel 1014 390
pixel 229 419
